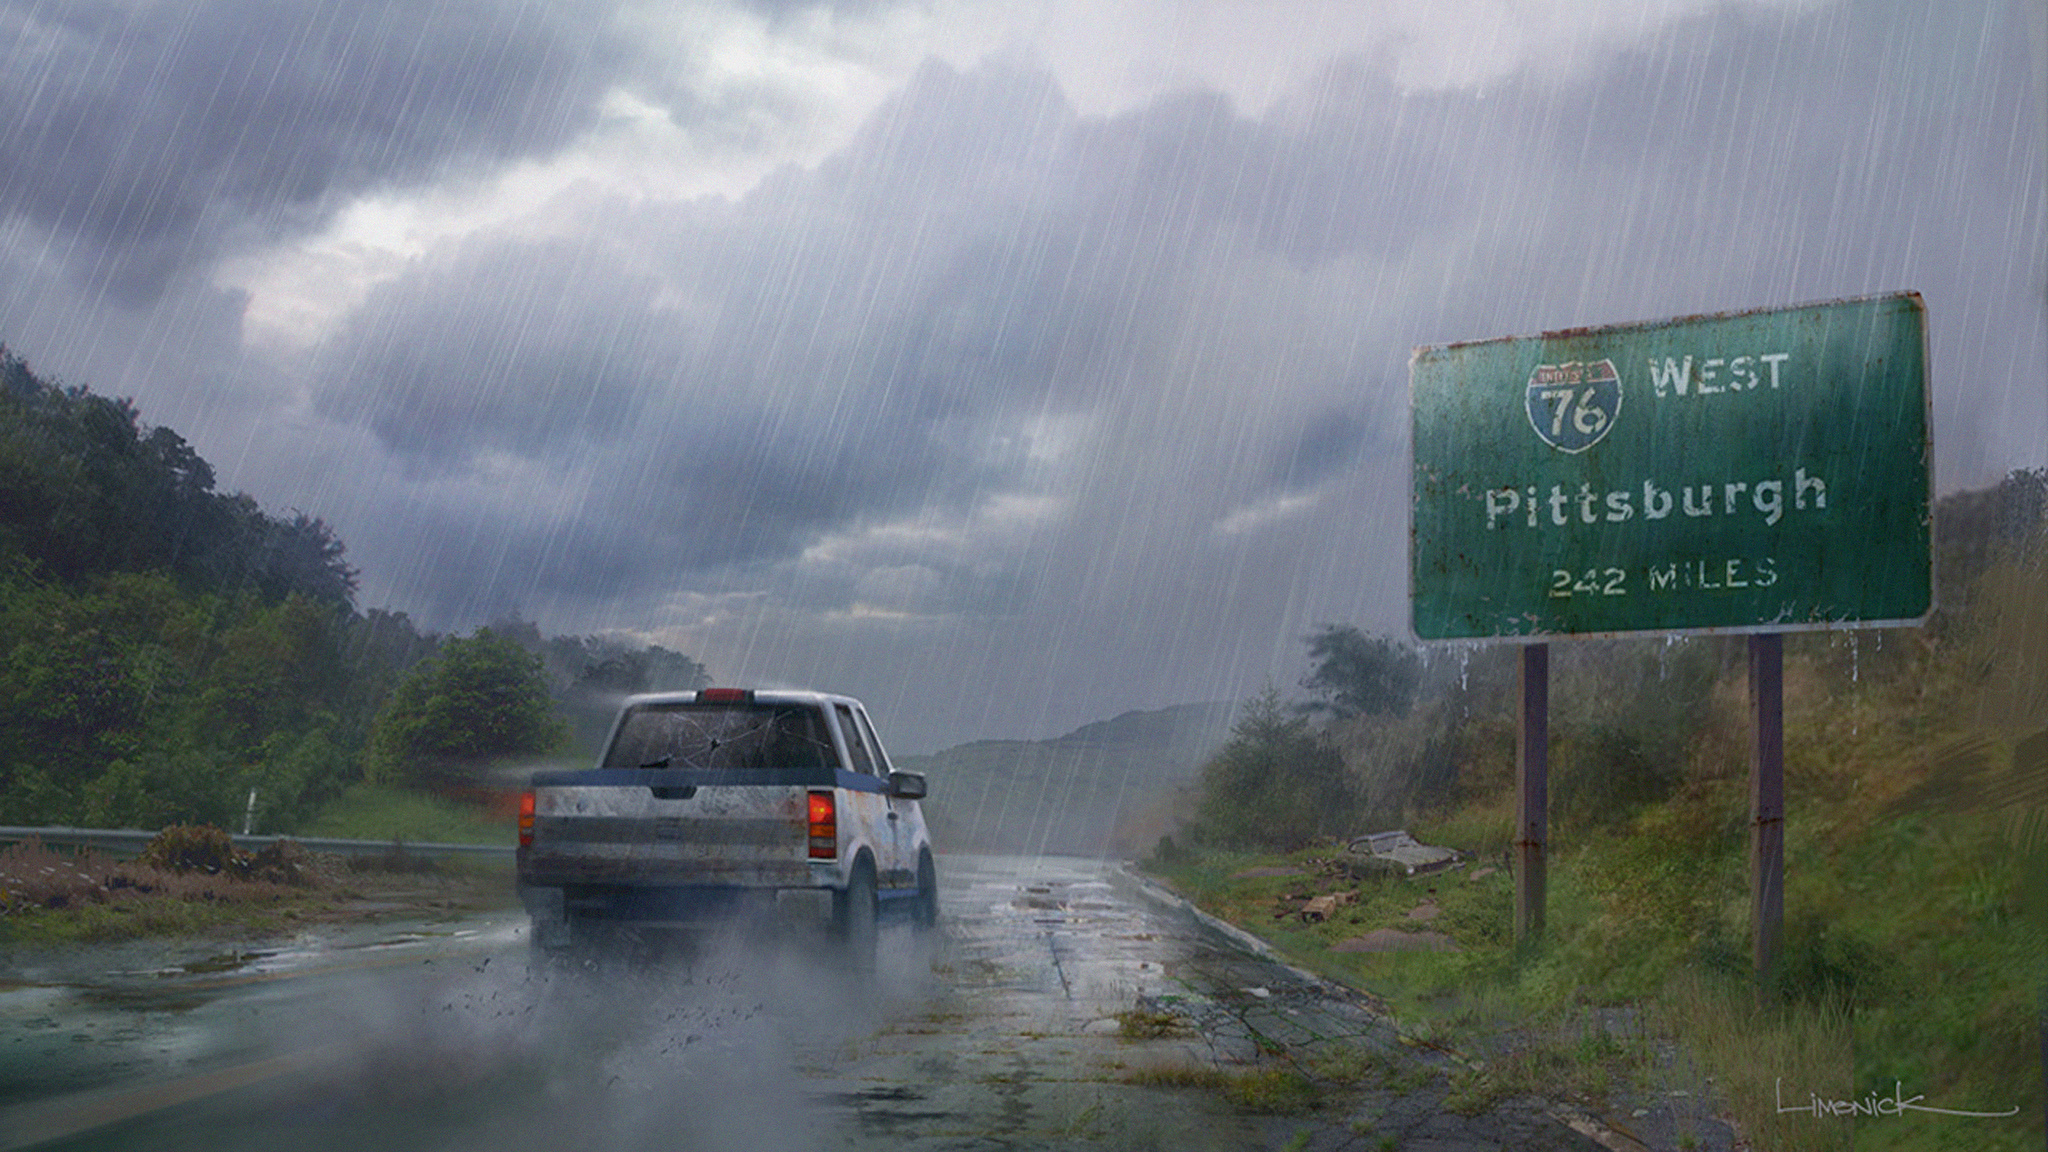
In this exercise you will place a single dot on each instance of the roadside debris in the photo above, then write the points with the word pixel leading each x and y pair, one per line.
pixel 1398 853
pixel 1323 907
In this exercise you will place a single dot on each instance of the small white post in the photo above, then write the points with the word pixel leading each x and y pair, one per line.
pixel 249 816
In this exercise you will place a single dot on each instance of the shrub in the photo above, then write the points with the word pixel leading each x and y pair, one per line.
pixel 195 848
pixel 1276 784
pixel 282 862
pixel 1167 854
pixel 481 698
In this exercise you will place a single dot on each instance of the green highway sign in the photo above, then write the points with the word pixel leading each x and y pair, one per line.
pixel 1759 470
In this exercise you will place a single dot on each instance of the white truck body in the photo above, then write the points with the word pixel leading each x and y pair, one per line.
pixel 706 805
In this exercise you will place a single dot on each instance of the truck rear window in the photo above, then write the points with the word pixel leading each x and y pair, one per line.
pixel 721 736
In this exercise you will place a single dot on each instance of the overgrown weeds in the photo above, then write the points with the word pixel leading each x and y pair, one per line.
pixel 1265 1091
pixel 88 896
pixel 205 849
pixel 1149 1024
pixel 1759 1056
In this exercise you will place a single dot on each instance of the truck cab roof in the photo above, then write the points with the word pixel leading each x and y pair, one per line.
pixel 724 695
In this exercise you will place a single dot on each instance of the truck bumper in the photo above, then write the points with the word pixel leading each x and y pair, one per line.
pixel 678 907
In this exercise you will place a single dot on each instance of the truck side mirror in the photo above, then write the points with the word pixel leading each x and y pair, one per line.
pixel 907 785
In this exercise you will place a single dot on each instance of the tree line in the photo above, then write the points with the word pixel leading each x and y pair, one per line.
pixel 166 648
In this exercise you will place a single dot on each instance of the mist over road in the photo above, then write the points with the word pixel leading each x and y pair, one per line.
pixel 1001 1031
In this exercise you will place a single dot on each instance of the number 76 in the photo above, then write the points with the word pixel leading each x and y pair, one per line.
pixel 1587 418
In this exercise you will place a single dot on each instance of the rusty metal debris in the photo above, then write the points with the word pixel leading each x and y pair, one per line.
pixel 1399 854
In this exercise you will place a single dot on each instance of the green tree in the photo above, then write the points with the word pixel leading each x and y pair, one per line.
pixel 1360 675
pixel 87 489
pixel 1277 783
pixel 481 698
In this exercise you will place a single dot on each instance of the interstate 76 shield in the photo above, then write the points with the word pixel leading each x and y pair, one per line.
pixel 1572 406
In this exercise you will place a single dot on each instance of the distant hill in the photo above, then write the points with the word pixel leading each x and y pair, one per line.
pixel 1101 790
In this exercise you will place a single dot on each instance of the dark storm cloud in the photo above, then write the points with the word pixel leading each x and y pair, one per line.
pixel 948 258
pixel 141 137
pixel 864 342
pixel 497 347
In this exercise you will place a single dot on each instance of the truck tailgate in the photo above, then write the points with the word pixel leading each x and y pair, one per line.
pixel 748 835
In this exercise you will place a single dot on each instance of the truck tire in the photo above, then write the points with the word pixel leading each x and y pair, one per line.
pixel 560 940
pixel 546 940
pixel 853 917
pixel 924 915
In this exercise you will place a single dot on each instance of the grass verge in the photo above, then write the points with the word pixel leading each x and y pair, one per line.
pixel 1642 990
pixel 380 812
pixel 57 898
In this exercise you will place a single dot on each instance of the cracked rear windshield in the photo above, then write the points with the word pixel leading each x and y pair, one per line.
pixel 722 736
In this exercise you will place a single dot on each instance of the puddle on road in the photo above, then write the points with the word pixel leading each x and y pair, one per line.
pixel 886 1111
pixel 121 998
pixel 214 965
pixel 405 941
pixel 153 975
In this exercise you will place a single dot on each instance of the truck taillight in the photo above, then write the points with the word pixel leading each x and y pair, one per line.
pixel 824 827
pixel 725 695
pixel 526 819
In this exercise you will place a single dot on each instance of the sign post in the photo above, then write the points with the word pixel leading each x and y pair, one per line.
pixel 1532 791
pixel 1753 472
pixel 1766 802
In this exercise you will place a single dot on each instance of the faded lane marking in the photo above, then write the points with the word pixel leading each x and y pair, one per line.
pixel 72 1115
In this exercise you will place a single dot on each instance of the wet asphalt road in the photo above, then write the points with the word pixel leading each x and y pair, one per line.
pixel 1000 1031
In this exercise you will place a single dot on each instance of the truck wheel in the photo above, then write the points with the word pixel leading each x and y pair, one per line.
pixel 925 914
pixel 853 917
pixel 545 940
pixel 558 940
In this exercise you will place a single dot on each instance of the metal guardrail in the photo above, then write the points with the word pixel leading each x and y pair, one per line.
pixel 129 841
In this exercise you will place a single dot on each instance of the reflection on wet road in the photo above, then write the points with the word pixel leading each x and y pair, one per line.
pixel 1011 1028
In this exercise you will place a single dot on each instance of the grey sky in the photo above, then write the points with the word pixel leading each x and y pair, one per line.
pixel 992 364
pixel 144 139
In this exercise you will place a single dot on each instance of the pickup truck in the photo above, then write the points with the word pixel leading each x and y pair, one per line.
pixel 724 805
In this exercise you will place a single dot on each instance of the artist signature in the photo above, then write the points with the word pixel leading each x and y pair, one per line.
pixel 1872 1104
